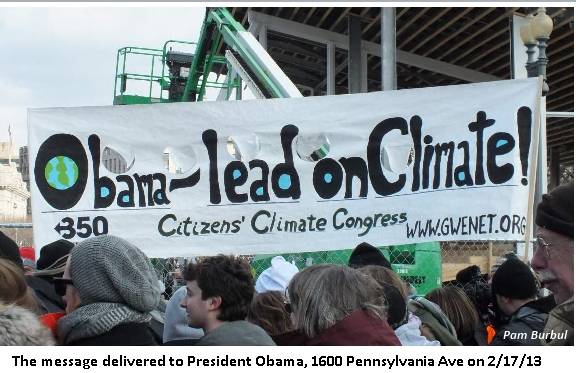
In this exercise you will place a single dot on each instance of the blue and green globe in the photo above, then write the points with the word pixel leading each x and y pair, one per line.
pixel 61 172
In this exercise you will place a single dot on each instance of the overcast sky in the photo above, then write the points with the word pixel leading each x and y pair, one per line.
pixel 56 57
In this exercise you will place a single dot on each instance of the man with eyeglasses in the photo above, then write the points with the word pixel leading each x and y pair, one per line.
pixel 553 261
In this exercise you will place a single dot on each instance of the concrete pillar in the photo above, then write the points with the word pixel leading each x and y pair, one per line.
pixel 330 68
pixel 364 73
pixel 388 35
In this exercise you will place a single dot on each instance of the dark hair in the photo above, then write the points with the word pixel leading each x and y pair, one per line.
pixel 9 250
pixel 468 274
pixel 459 309
pixel 228 278
pixel 388 276
pixel 480 295
pixel 396 302
pixel 268 311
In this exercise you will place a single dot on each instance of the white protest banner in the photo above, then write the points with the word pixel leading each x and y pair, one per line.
pixel 289 175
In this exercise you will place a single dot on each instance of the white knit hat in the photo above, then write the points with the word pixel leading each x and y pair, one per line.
pixel 277 277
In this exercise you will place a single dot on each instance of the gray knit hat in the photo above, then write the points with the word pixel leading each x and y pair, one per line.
pixel 109 269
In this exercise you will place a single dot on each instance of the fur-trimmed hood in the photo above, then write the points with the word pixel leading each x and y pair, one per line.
pixel 21 327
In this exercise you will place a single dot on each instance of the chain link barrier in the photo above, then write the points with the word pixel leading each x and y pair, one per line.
pixel 425 267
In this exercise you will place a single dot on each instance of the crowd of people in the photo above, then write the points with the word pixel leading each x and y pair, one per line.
pixel 104 291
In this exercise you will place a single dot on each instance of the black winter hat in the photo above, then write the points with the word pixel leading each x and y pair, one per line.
pixel 556 210
pixel 53 252
pixel 9 250
pixel 366 254
pixel 514 279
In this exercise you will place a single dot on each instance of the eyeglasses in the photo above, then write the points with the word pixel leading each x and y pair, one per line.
pixel 60 285
pixel 540 243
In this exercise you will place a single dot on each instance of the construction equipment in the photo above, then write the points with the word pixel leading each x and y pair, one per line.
pixel 185 76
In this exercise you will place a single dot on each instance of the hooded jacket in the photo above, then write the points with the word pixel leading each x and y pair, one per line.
pixel 358 329
pixel 176 321
pixel 560 320
pixel 528 318
pixel 21 327
pixel 410 334
pixel 434 321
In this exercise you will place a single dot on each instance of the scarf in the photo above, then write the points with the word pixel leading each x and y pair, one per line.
pixel 96 319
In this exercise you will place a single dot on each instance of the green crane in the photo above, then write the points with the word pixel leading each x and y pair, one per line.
pixel 185 76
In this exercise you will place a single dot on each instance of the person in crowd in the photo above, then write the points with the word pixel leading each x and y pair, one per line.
pixel 219 290
pixel 435 324
pixel 20 327
pixel 406 326
pixel 460 311
pixel 470 279
pixel 13 289
pixel 110 287
pixel 50 264
pixel 28 256
pixel 9 250
pixel 365 254
pixel 336 305
pixel 392 278
pixel 500 261
pixel 515 290
pixel 497 317
pixel 432 322
pixel 268 311
pixel 553 261
pixel 176 330
pixel 277 276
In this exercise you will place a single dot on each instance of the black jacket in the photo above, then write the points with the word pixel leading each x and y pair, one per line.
pixel 527 319
pixel 132 334
pixel 48 300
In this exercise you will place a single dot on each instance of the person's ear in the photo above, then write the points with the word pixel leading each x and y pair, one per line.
pixel 506 299
pixel 214 303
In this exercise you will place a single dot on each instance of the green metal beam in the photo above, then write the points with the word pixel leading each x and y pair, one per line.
pixel 220 24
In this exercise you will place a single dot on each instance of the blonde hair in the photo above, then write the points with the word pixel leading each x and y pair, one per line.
pixel 13 288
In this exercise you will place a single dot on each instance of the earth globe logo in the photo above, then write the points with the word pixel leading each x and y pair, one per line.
pixel 61 172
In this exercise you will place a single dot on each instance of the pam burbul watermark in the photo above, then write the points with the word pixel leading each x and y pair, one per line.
pixel 535 335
